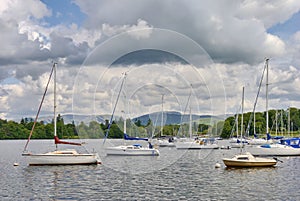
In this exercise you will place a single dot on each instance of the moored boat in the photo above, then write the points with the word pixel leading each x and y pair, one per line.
pixel 58 157
pixel 132 150
pixel 62 157
pixel 248 160
pixel 274 150
pixel 204 143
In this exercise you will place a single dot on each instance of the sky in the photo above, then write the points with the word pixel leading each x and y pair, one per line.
pixel 190 55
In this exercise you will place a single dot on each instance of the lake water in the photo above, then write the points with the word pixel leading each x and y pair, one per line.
pixel 174 175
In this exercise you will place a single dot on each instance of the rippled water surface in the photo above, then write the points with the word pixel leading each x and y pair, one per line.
pixel 174 175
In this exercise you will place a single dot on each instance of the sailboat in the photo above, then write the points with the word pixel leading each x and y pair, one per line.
pixel 272 149
pixel 132 150
pixel 197 143
pixel 58 157
pixel 291 141
pixel 129 150
pixel 247 159
pixel 238 142
pixel 163 141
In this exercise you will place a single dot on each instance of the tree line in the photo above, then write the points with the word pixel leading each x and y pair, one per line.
pixel 93 130
pixel 278 125
pixel 281 122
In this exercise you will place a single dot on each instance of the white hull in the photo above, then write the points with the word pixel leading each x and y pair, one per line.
pixel 274 150
pixel 132 151
pixel 64 157
pixel 237 145
pixel 248 160
pixel 195 145
pixel 257 141
pixel 163 143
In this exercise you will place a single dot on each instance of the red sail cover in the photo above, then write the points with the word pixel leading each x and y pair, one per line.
pixel 58 141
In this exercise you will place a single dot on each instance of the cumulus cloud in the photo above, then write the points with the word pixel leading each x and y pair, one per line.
pixel 233 33
pixel 229 30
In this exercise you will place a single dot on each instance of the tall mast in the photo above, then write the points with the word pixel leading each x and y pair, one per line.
pixel 190 124
pixel 289 121
pixel 237 125
pixel 281 124
pixel 162 115
pixel 276 123
pixel 267 86
pixel 125 105
pixel 242 112
pixel 254 130
pixel 55 131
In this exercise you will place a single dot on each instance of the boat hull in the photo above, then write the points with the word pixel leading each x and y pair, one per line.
pixel 275 150
pixel 61 159
pixel 163 143
pixel 248 160
pixel 131 151
pixel 234 163
pixel 194 145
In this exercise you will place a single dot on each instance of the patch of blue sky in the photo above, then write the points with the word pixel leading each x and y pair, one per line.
pixel 64 12
pixel 288 28
pixel 10 80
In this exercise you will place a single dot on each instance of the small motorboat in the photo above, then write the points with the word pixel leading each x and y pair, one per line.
pixel 248 160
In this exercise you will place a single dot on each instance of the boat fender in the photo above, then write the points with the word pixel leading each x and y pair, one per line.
pixel 217 165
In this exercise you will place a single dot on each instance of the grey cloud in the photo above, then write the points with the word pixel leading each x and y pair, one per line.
pixel 215 25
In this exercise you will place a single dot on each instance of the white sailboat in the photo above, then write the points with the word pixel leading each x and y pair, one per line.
pixel 163 141
pixel 129 150
pixel 197 143
pixel 239 142
pixel 272 149
pixel 132 150
pixel 58 157
pixel 247 159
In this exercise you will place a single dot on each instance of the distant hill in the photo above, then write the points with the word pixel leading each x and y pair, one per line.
pixel 170 117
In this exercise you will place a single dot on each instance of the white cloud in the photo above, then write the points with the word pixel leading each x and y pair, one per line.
pixel 234 33
pixel 230 31
pixel 270 12
pixel 18 10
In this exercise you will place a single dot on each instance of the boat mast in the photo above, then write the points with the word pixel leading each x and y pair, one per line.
pixel 281 124
pixel 254 131
pixel 267 86
pixel 242 119
pixel 38 112
pixel 276 123
pixel 54 109
pixel 114 109
pixel 162 115
pixel 124 123
pixel 289 121
pixel 190 124
pixel 237 125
